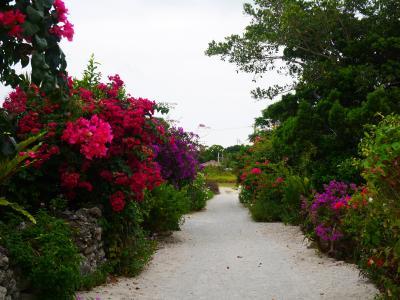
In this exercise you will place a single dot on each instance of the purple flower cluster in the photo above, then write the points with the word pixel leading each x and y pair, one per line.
pixel 178 157
pixel 326 209
pixel 328 233
pixel 335 192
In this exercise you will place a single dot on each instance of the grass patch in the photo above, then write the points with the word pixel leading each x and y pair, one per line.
pixel 228 185
pixel 219 175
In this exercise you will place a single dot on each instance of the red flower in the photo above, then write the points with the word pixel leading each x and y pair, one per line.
pixel 70 179
pixel 13 19
pixel 279 180
pixel 117 201
pixel 374 260
pixel 364 191
pixel 106 175
pixel 15 103
pixel 256 171
pixel 86 185
pixel 122 179
pixel 339 205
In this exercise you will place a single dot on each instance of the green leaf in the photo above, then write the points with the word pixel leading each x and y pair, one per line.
pixel 30 28
pixel 47 3
pixel 396 249
pixel 396 146
pixel 16 207
pixel 34 15
pixel 41 43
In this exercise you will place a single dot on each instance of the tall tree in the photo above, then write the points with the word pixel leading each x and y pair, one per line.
pixel 344 57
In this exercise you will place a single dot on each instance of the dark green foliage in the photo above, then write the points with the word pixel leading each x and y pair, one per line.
pixel 345 56
pixel 46 255
pixel 96 278
pixel 211 153
pixel 295 188
pixel 165 207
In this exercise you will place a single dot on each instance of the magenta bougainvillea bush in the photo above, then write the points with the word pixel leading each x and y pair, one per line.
pixel 105 146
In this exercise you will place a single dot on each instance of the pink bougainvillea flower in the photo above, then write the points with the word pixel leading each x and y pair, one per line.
pixel 92 135
pixel 256 171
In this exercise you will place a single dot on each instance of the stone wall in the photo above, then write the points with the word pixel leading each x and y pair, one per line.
pixel 8 284
pixel 87 234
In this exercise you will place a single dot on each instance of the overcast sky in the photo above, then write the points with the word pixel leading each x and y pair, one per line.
pixel 157 47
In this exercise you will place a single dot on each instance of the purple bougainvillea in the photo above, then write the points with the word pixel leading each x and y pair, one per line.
pixel 178 157
pixel 327 209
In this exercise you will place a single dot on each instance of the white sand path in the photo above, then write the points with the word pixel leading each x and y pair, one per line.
pixel 222 254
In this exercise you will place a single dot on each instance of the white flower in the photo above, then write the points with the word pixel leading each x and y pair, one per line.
pixel 370 199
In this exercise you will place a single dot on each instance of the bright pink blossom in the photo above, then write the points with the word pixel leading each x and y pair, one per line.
pixel 92 135
pixel 256 171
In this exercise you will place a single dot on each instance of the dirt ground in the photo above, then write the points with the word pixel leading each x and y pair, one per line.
pixel 222 254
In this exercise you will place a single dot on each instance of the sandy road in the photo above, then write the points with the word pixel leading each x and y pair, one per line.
pixel 222 254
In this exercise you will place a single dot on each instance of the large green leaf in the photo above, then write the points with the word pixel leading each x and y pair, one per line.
pixel 16 207
pixel 30 28
pixel 34 15
pixel 40 42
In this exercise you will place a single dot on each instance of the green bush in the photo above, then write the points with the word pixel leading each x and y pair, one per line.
pixel 164 208
pixel 375 225
pixel 46 255
pixel 296 187
pixel 127 245
pixel 263 186
pixel 198 193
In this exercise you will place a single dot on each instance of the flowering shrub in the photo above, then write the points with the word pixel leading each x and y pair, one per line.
pixel 373 221
pixel 92 136
pixel 108 138
pixel 381 151
pixel 263 186
pixel 328 208
pixel 178 157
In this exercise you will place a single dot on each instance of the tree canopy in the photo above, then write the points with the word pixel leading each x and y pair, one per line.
pixel 344 57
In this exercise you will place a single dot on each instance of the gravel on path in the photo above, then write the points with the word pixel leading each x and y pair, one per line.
pixel 222 254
